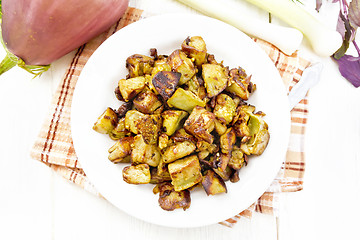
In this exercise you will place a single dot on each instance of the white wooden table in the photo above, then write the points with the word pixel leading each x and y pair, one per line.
pixel 36 203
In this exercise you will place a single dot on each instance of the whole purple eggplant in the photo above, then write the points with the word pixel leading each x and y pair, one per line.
pixel 38 32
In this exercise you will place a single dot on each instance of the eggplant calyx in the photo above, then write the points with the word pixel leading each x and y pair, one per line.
pixel 11 61
pixel 36 70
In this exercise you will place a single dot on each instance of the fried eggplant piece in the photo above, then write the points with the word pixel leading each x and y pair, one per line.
pixel 137 174
pixel 193 85
pixel 144 153
pixel 235 177
pixel 119 131
pixel 172 120
pixel 237 100
pixel 121 150
pixel 227 141
pixel 246 108
pixel 180 63
pixel 258 142
pixel 139 65
pixel 149 127
pixel 129 88
pixel 169 199
pixel 215 79
pixel 220 161
pixel 160 173
pixel 195 48
pixel 185 100
pixel 118 94
pixel 239 83
pixel 253 129
pixel 211 59
pixel 220 127
pixel 159 176
pixel 149 85
pixel 200 124
pixel 163 141
pixel 185 173
pixel 124 107
pixel 165 83
pixel 196 86
pixel 132 118
pixel 240 122
pixel 202 155
pixel 154 53
pixel 181 135
pixel 160 65
pixel 237 159
pixel 147 102
pixel 162 168
pixel 226 174
pixel 213 184
pixel 225 108
pixel 203 145
pixel 106 122
pixel 205 149
pixel 177 151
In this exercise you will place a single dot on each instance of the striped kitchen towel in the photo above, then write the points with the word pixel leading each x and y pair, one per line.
pixel 54 145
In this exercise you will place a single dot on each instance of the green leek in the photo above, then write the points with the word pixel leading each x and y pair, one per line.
pixel 323 40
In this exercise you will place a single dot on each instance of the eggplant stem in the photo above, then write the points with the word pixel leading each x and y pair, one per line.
pixel 8 62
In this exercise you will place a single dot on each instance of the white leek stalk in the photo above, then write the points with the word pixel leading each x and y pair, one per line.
pixel 286 39
pixel 323 40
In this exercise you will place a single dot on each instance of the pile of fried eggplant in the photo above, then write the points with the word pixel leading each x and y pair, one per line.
pixel 183 122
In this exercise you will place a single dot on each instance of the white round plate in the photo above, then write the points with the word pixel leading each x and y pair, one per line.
pixel 95 92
